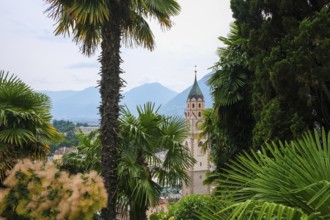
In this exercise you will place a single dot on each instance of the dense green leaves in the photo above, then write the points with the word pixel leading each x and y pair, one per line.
pixel 110 24
pixel 87 155
pixel 85 19
pixel 67 129
pixel 189 207
pixel 282 181
pixel 229 125
pixel 286 47
pixel 25 128
pixel 152 157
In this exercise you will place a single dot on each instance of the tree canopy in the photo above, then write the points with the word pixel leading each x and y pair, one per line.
pixel 281 181
pixel 110 24
pixel 287 50
pixel 272 79
pixel 25 128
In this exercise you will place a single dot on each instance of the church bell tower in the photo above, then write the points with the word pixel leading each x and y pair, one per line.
pixel 195 104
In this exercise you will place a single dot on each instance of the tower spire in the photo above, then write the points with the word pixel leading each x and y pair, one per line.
pixel 195 91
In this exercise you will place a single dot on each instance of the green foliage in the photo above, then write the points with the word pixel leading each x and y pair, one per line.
pixel 25 129
pixel 144 138
pixel 79 124
pixel 40 191
pixel 281 181
pixel 110 24
pixel 158 216
pixel 229 125
pixel 231 74
pixel 68 129
pixel 287 51
pixel 64 126
pixel 220 149
pixel 189 207
pixel 85 20
pixel 86 157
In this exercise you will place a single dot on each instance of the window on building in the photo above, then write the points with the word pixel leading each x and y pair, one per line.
pixel 199 114
pixel 199 105
pixel 200 164
pixel 193 105
pixel 200 148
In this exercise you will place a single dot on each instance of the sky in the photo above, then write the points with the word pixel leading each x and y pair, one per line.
pixel 30 50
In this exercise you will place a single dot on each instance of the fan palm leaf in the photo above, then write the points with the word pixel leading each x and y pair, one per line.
pixel 110 24
pixel 281 181
pixel 25 129
pixel 142 172
pixel 86 157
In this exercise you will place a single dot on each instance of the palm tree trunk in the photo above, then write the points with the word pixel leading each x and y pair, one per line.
pixel 138 213
pixel 110 85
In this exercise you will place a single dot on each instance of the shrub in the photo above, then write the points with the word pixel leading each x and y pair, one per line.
pixel 158 216
pixel 189 206
pixel 40 191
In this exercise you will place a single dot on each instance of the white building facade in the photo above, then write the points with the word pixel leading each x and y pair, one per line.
pixel 195 105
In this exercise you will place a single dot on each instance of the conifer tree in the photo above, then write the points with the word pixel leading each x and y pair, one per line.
pixel 287 44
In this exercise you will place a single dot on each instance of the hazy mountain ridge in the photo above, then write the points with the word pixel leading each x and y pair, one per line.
pixel 82 106
pixel 176 106
pixel 149 92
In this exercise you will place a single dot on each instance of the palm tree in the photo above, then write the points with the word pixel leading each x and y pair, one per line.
pixel 231 91
pixel 110 23
pixel 281 181
pixel 87 156
pixel 25 128
pixel 142 170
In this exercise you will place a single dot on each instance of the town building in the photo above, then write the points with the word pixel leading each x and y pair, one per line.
pixel 195 105
pixel 87 130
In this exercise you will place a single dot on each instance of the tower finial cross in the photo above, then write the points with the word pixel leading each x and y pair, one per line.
pixel 195 71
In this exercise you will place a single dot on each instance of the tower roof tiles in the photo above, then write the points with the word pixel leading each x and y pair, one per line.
pixel 195 91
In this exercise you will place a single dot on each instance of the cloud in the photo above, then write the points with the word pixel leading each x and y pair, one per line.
pixel 84 65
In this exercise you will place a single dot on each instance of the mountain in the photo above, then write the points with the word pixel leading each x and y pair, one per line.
pixel 153 92
pixel 176 106
pixel 82 106
pixel 75 105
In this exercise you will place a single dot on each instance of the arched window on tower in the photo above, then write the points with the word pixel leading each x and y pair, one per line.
pixel 193 105
pixel 199 114
pixel 200 149
pixel 199 105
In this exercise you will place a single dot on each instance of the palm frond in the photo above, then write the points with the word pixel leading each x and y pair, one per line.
pixel 83 19
pixel 141 170
pixel 138 33
pixel 25 126
pixel 281 178
pixel 252 209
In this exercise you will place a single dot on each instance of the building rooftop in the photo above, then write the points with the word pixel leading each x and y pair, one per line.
pixel 195 91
